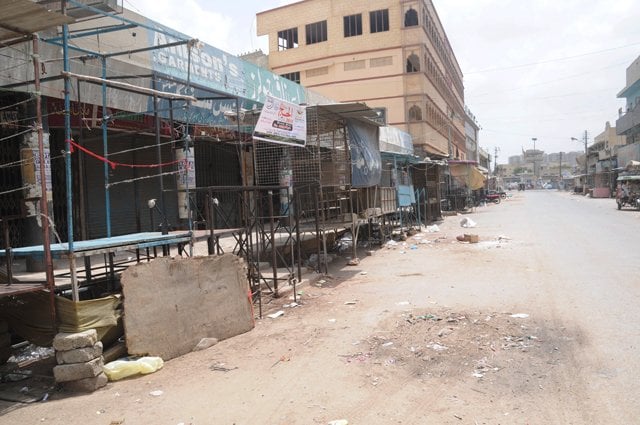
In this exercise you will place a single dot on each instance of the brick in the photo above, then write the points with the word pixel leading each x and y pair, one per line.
pixel 86 385
pixel 79 355
pixel 69 341
pixel 77 371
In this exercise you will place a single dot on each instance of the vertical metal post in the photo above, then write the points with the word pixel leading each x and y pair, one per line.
pixel 67 136
pixel 314 194
pixel 586 164
pixel 560 180
pixel 9 256
pixel 164 227
pixel 44 204
pixel 105 148
pixel 296 215
pixel 187 142
pixel 274 258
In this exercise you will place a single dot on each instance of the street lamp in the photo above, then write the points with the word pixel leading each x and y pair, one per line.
pixel 586 165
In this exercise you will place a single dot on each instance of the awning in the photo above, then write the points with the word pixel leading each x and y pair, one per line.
pixel 467 174
pixel 629 178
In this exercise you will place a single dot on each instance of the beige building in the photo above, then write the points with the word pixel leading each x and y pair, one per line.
pixel 390 54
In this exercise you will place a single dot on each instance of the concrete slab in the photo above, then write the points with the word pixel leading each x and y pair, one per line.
pixel 77 371
pixel 79 355
pixel 70 341
pixel 171 304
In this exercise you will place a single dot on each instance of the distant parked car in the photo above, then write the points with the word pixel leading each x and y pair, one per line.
pixel 548 186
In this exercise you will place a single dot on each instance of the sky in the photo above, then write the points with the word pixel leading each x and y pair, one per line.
pixel 543 69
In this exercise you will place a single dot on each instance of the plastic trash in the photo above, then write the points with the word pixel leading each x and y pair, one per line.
pixel 339 422
pixel 467 222
pixel 276 314
pixel 433 228
pixel 520 315
pixel 120 369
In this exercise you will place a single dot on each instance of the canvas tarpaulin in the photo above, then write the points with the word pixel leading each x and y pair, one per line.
pixel 467 174
pixel 366 165
pixel 29 315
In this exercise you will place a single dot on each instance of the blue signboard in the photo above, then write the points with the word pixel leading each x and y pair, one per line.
pixel 215 69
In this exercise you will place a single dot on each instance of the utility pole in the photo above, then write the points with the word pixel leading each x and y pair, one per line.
pixel 586 162
pixel 560 180
pixel 495 159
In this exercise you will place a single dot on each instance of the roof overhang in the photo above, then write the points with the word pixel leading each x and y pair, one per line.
pixel 352 110
pixel 20 18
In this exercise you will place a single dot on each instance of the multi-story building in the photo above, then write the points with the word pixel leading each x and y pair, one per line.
pixel 628 124
pixel 471 130
pixel 515 160
pixel 391 54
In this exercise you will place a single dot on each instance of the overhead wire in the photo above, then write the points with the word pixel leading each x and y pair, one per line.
pixel 596 52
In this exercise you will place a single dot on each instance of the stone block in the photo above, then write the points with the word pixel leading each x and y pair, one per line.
pixel 70 341
pixel 77 371
pixel 86 385
pixel 79 355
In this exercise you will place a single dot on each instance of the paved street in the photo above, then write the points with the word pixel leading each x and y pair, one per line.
pixel 536 324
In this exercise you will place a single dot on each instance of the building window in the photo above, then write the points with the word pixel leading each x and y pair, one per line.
pixel 288 39
pixel 293 76
pixel 411 18
pixel 352 25
pixel 379 20
pixel 316 32
pixel 415 113
pixel 413 63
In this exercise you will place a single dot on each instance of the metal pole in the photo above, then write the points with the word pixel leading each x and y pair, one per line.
pixel 164 227
pixel 274 258
pixel 68 174
pixel 187 142
pixel 105 148
pixel 586 163
pixel 560 173
pixel 44 204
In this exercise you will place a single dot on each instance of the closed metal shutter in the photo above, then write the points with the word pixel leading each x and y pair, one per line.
pixel 128 200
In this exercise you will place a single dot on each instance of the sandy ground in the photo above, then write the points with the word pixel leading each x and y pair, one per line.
pixel 428 331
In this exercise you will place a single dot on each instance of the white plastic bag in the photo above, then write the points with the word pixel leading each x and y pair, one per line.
pixel 119 369
pixel 467 223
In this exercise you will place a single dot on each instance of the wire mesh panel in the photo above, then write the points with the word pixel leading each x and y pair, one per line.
pixel 319 172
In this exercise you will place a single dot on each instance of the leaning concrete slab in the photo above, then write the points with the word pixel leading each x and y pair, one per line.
pixel 171 304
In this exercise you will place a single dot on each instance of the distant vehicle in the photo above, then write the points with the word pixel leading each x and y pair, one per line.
pixel 501 193
pixel 548 186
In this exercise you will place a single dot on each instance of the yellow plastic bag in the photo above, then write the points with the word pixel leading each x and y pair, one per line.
pixel 119 369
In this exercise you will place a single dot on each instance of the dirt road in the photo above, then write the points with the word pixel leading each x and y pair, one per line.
pixel 536 324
